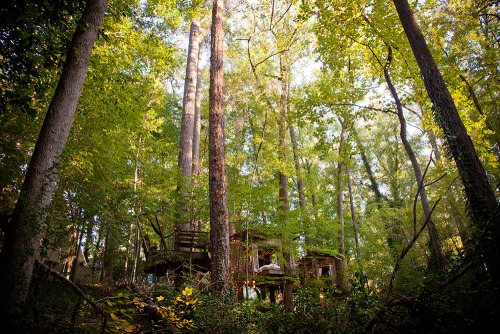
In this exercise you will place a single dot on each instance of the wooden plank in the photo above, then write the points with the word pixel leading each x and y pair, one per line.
pixel 275 272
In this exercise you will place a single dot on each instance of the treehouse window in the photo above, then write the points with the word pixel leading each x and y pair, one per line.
pixel 266 257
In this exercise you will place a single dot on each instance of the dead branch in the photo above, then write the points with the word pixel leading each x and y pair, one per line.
pixel 72 285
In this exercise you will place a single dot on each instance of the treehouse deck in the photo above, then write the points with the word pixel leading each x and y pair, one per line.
pixel 188 247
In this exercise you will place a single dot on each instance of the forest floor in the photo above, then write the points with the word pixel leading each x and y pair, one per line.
pixel 192 308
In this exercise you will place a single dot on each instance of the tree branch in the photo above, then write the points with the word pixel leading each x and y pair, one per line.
pixel 272 55
pixel 73 287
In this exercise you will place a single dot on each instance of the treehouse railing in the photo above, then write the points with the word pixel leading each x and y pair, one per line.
pixel 191 241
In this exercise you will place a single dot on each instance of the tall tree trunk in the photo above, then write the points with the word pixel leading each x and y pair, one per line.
pixel 89 239
pixel 104 254
pixel 197 118
pixel 96 250
pixel 108 256
pixel 196 136
pixel 137 210
pixel 373 182
pixel 313 195
pixel 435 148
pixel 187 125
pixel 307 229
pixel 283 191
pixel 341 260
pixel 436 260
pixel 481 198
pixel 78 246
pixel 137 249
pixel 353 213
pixel 55 200
pixel 23 236
pixel 219 227
pixel 296 158
pixel 302 197
pixel 127 249
pixel 394 183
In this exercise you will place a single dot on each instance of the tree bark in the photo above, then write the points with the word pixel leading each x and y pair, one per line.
pixel 300 183
pixel 353 213
pixel 78 246
pixel 437 260
pixel 341 260
pixel 137 249
pixel 373 182
pixel 283 191
pixel 195 225
pixel 432 140
pixel 187 125
pixel 197 118
pixel 89 239
pixel 481 198
pixel 131 227
pixel 313 195
pixel 127 249
pixel 23 236
pixel 137 210
pixel 108 256
pixel 96 250
pixel 219 227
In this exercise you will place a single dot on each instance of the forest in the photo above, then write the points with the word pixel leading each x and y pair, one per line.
pixel 246 166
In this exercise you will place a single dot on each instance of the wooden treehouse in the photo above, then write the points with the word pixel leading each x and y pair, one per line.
pixel 319 266
pixel 188 248
pixel 256 260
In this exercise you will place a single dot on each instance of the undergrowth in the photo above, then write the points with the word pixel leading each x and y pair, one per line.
pixel 465 307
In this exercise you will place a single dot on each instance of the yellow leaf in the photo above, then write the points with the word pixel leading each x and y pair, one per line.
pixel 130 329
pixel 113 316
pixel 160 298
pixel 136 299
pixel 187 291
pixel 179 299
